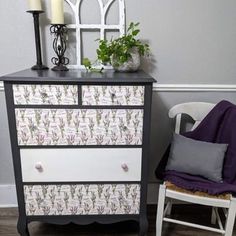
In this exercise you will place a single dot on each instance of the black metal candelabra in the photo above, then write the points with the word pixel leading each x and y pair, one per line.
pixel 59 46
pixel 39 65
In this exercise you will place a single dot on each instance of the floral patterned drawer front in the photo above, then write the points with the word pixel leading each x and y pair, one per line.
pixel 37 94
pixel 79 126
pixel 82 199
pixel 113 95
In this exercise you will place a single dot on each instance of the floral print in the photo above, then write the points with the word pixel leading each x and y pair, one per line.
pixel 113 95
pixel 40 94
pixel 82 199
pixel 79 126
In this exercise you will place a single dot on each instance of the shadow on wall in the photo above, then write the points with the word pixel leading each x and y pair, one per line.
pixel 149 64
pixel 161 133
pixel 44 23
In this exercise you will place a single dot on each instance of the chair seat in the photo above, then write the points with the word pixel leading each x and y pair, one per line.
pixel 171 186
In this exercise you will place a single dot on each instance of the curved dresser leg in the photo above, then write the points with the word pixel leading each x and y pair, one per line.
pixel 22 227
pixel 143 226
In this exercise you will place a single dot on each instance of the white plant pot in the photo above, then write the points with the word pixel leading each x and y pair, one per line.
pixel 131 65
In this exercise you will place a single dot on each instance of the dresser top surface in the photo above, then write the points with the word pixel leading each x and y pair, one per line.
pixel 80 76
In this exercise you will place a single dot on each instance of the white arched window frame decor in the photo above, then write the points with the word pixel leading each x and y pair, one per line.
pixel 102 27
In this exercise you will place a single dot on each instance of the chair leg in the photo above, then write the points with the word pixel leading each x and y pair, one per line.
pixel 168 212
pixel 213 216
pixel 160 209
pixel 230 218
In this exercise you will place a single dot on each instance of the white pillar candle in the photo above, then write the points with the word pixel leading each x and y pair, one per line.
pixel 35 5
pixel 57 7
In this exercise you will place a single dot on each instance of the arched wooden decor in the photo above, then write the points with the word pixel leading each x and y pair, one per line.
pixel 102 27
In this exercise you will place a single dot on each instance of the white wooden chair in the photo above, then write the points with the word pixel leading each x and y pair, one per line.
pixel 197 110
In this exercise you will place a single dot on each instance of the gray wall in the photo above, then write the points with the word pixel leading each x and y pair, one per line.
pixel 6 169
pixel 191 41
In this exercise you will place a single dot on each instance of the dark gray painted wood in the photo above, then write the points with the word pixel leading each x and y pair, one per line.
pixel 22 221
pixel 83 182
pixel 79 146
pixel 110 107
pixel 78 76
pixel 145 154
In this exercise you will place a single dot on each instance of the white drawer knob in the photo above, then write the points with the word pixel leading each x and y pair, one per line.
pixel 125 167
pixel 39 166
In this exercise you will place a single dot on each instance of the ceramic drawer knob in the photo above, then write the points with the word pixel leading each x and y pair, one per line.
pixel 39 166
pixel 125 167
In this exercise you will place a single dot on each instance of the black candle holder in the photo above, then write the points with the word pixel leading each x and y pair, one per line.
pixel 39 65
pixel 59 46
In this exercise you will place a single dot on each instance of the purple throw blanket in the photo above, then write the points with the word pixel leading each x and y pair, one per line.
pixel 219 126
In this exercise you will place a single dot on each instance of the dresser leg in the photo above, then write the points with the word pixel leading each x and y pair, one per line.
pixel 22 227
pixel 143 226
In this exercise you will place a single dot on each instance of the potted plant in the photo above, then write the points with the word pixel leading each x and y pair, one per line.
pixel 124 52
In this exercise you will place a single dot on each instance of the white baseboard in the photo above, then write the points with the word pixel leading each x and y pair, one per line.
pixel 8 196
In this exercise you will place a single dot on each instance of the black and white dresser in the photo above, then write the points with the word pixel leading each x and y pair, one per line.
pixel 80 145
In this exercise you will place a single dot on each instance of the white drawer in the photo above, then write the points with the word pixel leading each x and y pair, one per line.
pixel 45 94
pixel 93 164
pixel 113 95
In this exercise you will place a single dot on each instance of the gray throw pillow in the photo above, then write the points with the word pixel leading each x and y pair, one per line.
pixel 196 157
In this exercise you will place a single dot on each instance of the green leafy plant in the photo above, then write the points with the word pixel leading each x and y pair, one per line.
pixel 89 67
pixel 87 64
pixel 120 48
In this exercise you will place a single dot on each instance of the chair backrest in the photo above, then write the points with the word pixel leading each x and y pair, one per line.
pixel 196 110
